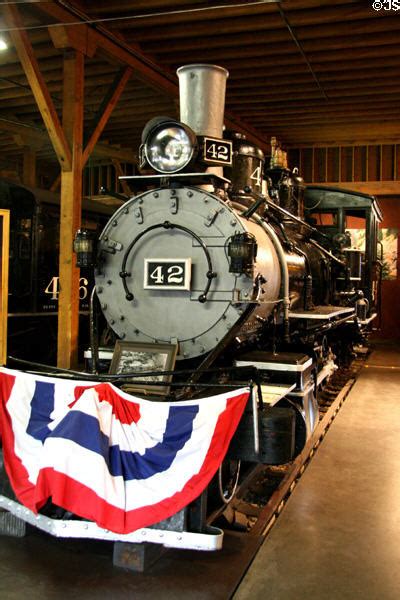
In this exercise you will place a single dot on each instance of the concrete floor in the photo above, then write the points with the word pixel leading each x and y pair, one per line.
pixel 337 538
pixel 339 534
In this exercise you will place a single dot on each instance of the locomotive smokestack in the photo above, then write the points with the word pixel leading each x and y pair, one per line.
pixel 202 98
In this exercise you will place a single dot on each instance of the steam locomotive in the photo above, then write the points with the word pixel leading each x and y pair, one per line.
pixel 239 269
pixel 221 256
pixel 236 264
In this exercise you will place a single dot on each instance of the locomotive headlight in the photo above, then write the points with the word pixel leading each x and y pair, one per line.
pixel 242 251
pixel 169 146
pixel 84 248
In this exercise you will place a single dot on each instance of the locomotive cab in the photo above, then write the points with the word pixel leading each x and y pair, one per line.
pixel 350 220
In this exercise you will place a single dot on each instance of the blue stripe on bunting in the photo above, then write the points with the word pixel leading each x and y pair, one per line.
pixel 84 430
pixel 178 430
pixel 42 405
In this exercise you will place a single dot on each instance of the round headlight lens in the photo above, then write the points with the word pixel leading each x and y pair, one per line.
pixel 169 148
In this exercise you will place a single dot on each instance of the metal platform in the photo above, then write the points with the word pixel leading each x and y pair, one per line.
pixel 322 312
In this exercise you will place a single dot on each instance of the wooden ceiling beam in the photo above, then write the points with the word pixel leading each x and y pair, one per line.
pixel 255 50
pixel 39 89
pixel 144 68
pixel 118 6
pixel 319 68
pixel 332 89
pixel 373 188
pixel 42 51
pixel 153 28
pixel 36 135
pixel 376 133
pixel 102 7
pixel 320 120
pixel 74 37
pixel 308 107
pixel 310 37
pixel 319 58
pixel 254 83
pixel 105 110
pixel 309 95
pixel 142 28
pixel 372 112
pixel 28 112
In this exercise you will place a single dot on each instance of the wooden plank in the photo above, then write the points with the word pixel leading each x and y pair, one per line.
pixel 30 134
pixel 329 70
pixel 346 168
pixel 106 109
pixel 360 163
pixel 387 162
pixel 255 83
pixel 319 164
pixel 45 104
pixel 70 212
pixel 333 88
pixel 374 188
pixel 319 57
pixel 351 115
pixel 307 164
pixel 124 184
pixel 373 167
pixel 332 35
pixel 226 25
pixel 346 135
pixel 5 241
pixel 333 164
pixel 272 96
pixel 56 183
pixel 74 37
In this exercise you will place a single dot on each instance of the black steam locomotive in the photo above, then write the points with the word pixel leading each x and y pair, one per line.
pixel 237 270
pixel 229 261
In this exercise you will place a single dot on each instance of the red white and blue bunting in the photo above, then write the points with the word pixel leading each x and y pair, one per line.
pixel 104 455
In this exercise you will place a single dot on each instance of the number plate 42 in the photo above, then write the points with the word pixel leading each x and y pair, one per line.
pixel 167 273
pixel 217 151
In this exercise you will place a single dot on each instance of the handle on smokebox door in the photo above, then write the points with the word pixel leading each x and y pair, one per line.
pixel 255 408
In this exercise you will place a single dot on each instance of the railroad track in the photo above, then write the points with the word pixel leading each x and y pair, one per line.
pixel 263 494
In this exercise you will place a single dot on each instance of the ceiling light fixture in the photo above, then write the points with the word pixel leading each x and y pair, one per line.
pixel 3 44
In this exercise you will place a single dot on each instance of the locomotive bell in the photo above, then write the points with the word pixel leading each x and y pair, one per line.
pixel 248 166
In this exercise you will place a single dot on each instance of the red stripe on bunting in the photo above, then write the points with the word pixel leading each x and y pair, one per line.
pixel 17 474
pixel 126 411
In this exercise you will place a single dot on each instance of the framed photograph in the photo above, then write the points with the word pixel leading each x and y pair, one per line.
pixel 134 357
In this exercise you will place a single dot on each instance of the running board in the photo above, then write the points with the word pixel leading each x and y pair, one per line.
pixel 210 541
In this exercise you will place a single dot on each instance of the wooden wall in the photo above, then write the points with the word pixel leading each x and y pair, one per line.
pixel 373 168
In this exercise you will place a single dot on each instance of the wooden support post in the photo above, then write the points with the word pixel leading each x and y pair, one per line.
pixel 125 186
pixel 105 110
pixel 38 86
pixel 70 213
